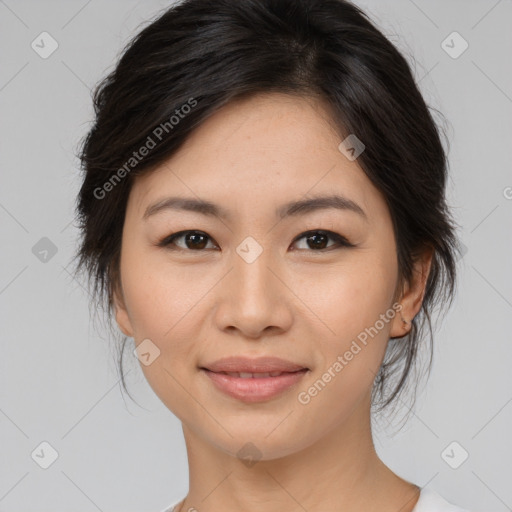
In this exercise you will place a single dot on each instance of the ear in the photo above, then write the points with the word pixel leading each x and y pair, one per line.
pixel 412 295
pixel 122 317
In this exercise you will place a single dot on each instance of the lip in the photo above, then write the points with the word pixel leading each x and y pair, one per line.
pixel 253 365
pixel 254 389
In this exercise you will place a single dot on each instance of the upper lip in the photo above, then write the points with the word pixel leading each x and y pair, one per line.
pixel 253 365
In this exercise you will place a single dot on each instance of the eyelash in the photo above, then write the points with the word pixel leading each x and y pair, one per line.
pixel 340 240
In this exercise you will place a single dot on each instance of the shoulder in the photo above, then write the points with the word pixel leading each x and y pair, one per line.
pixel 431 501
pixel 173 507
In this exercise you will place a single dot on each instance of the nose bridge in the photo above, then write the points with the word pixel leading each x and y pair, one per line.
pixel 253 300
pixel 252 278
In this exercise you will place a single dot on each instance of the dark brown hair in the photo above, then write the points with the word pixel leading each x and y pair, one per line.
pixel 206 54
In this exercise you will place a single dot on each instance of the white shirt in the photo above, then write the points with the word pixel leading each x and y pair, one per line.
pixel 429 501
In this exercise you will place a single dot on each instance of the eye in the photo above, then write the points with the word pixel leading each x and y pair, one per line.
pixel 316 240
pixel 194 240
pixel 198 240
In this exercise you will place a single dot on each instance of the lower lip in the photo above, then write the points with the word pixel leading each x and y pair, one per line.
pixel 252 389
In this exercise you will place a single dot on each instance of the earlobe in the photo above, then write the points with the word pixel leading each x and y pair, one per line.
pixel 412 295
pixel 121 314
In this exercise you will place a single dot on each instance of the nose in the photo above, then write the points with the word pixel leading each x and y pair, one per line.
pixel 255 300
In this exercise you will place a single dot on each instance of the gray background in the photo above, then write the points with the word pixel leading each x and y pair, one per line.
pixel 58 378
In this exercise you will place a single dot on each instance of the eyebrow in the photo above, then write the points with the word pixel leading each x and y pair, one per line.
pixel 292 208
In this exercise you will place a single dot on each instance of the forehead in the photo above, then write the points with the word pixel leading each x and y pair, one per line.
pixel 265 150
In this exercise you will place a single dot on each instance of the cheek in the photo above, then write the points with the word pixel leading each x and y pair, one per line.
pixel 163 302
pixel 349 297
pixel 351 358
pixel 357 307
pixel 159 295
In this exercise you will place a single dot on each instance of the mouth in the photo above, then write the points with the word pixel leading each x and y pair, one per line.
pixel 256 375
pixel 253 365
pixel 253 387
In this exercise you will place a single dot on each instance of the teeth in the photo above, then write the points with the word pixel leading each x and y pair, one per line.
pixel 247 375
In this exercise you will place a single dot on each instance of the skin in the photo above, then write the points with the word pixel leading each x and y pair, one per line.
pixel 294 301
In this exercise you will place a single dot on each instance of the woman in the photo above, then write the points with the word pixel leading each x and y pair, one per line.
pixel 263 211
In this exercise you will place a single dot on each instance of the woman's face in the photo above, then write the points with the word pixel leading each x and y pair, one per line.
pixel 254 283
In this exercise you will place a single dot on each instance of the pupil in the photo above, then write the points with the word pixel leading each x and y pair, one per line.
pixel 316 244
pixel 194 238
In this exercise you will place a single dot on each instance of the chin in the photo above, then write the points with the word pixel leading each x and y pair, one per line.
pixel 260 440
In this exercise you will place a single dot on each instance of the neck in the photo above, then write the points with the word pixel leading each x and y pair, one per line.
pixel 340 471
